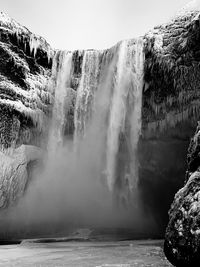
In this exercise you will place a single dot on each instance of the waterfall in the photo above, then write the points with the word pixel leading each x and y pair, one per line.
pixel 61 71
pixel 99 95
pixel 136 114
pixel 117 114
pixel 128 86
pixel 107 113
pixel 86 90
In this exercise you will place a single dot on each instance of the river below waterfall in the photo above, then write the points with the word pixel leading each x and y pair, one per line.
pixel 84 254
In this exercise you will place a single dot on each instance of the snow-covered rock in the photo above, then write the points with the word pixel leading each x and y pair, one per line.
pixel 172 73
pixel 14 173
pixel 25 67
pixel 182 239
pixel 171 108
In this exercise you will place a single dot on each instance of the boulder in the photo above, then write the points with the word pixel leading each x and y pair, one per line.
pixel 182 239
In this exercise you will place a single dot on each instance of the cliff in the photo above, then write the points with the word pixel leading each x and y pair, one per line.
pixel 171 94
pixel 25 68
pixel 170 107
pixel 182 233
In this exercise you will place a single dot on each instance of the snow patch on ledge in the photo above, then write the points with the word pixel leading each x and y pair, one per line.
pixel 23 34
pixel 11 23
pixel 37 116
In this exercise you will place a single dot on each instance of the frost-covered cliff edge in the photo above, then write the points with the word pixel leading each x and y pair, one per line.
pixel 25 67
pixel 182 233
pixel 170 107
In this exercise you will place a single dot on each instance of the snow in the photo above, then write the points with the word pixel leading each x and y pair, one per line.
pixel 158 44
pixel 23 34
pixel 85 254
pixel 37 115
pixel 5 20
pixel 33 102
pixel 17 60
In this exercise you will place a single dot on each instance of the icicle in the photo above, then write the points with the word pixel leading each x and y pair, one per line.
pixel 34 44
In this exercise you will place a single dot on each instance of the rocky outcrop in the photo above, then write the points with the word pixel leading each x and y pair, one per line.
pixel 182 244
pixel 25 67
pixel 182 240
pixel 171 94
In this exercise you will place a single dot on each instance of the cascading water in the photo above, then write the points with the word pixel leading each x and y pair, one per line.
pixel 62 97
pixel 91 186
pixel 115 77
pixel 136 114
pixel 107 114
pixel 125 113
pixel 117 114
pixel 86 91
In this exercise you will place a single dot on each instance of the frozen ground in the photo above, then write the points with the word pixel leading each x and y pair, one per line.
pixel 84 254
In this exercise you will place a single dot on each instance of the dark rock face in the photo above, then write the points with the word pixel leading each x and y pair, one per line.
pixel 170 108
pixel 161 175
pixel 182 242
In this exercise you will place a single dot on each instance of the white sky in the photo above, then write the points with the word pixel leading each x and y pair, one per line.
pixel 84 24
